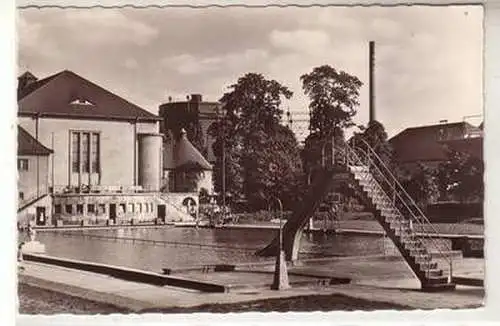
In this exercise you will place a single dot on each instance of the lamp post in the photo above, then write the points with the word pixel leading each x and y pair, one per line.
pixel 222 111
pixel 280 279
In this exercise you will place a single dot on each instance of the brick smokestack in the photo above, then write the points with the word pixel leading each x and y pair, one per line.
pixel 372 81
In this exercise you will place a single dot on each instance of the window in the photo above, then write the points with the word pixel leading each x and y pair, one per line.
pixel 22 164
pixel 102 208
pixel 85 150
pixel 57 209
pixel 94 156
pixel 69 209
pixel 79 209
pixel 21 195
pixel 130 207
pixel 139 209
pixel 91 208
pixel 75 152
pixel 123 208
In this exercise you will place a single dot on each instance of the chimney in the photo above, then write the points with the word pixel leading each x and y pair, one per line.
pixel 196 98
pixel 372 81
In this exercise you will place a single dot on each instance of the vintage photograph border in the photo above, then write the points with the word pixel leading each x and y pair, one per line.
pixel 8 308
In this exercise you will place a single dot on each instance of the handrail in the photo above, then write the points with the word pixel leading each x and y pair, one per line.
pixel 399 185
pixel 395 186
pixel 175 206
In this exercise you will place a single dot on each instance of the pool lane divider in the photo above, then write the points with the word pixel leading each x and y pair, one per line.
pixel 129 274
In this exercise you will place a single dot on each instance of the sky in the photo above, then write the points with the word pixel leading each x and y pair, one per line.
pixel 428 59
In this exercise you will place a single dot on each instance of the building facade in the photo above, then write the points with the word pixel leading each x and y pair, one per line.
pixel 196 117
pixel 106 153
pixel 428 145
pixel 33 177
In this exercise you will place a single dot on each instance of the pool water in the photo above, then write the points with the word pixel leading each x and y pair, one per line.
pixel 232 246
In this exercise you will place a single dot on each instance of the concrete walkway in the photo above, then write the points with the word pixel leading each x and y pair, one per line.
pixel 372 281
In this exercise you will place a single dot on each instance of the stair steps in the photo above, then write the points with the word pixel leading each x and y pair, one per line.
pixel 399 229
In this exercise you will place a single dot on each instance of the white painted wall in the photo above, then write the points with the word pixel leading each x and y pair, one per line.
pixel 117 147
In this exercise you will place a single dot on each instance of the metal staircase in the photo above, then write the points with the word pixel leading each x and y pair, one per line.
pixel 400 216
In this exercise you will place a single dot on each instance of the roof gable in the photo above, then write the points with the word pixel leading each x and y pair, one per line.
pixel 27 145
pixel 65 95
pixel 186 153
pixel 182 152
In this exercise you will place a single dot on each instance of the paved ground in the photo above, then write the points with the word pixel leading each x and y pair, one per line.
pixel 35 300
pixel 376 280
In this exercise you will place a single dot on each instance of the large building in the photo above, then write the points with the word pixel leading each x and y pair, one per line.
pixel 96 136
pixel 429 144
pixel 105 160
pixel 196 117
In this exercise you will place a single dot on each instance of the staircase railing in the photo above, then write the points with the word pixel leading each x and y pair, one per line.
pixel 168 201
pixel 394 190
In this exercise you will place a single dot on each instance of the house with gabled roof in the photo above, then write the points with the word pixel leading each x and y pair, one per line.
pixel 429 144
pixel 106 160
pixel 33 176
pixel 94 133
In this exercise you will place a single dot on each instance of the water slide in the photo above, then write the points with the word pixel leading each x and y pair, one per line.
pixel 292 230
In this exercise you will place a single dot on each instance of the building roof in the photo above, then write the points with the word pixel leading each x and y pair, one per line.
pixel 180 152
pixel 426 143
pixel 69 95
pixel 27 145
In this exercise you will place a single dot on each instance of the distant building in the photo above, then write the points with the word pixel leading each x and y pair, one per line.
pixel 185 169
pixel 33 176
pixel 428 144
pixel 187 115
pixel 107 155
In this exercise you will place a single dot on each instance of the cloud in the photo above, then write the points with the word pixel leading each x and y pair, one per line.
pixel 107 27
pixel 131 63
pixel 306 41
pixel 188 64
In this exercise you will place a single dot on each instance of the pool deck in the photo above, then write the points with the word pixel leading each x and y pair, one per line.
pixel 383 279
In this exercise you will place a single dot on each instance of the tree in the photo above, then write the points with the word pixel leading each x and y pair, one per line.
pixel 422 185
pixel 316 147
pixel 376 136
pixel 333 98
pixel 253 139
pixel 461 177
